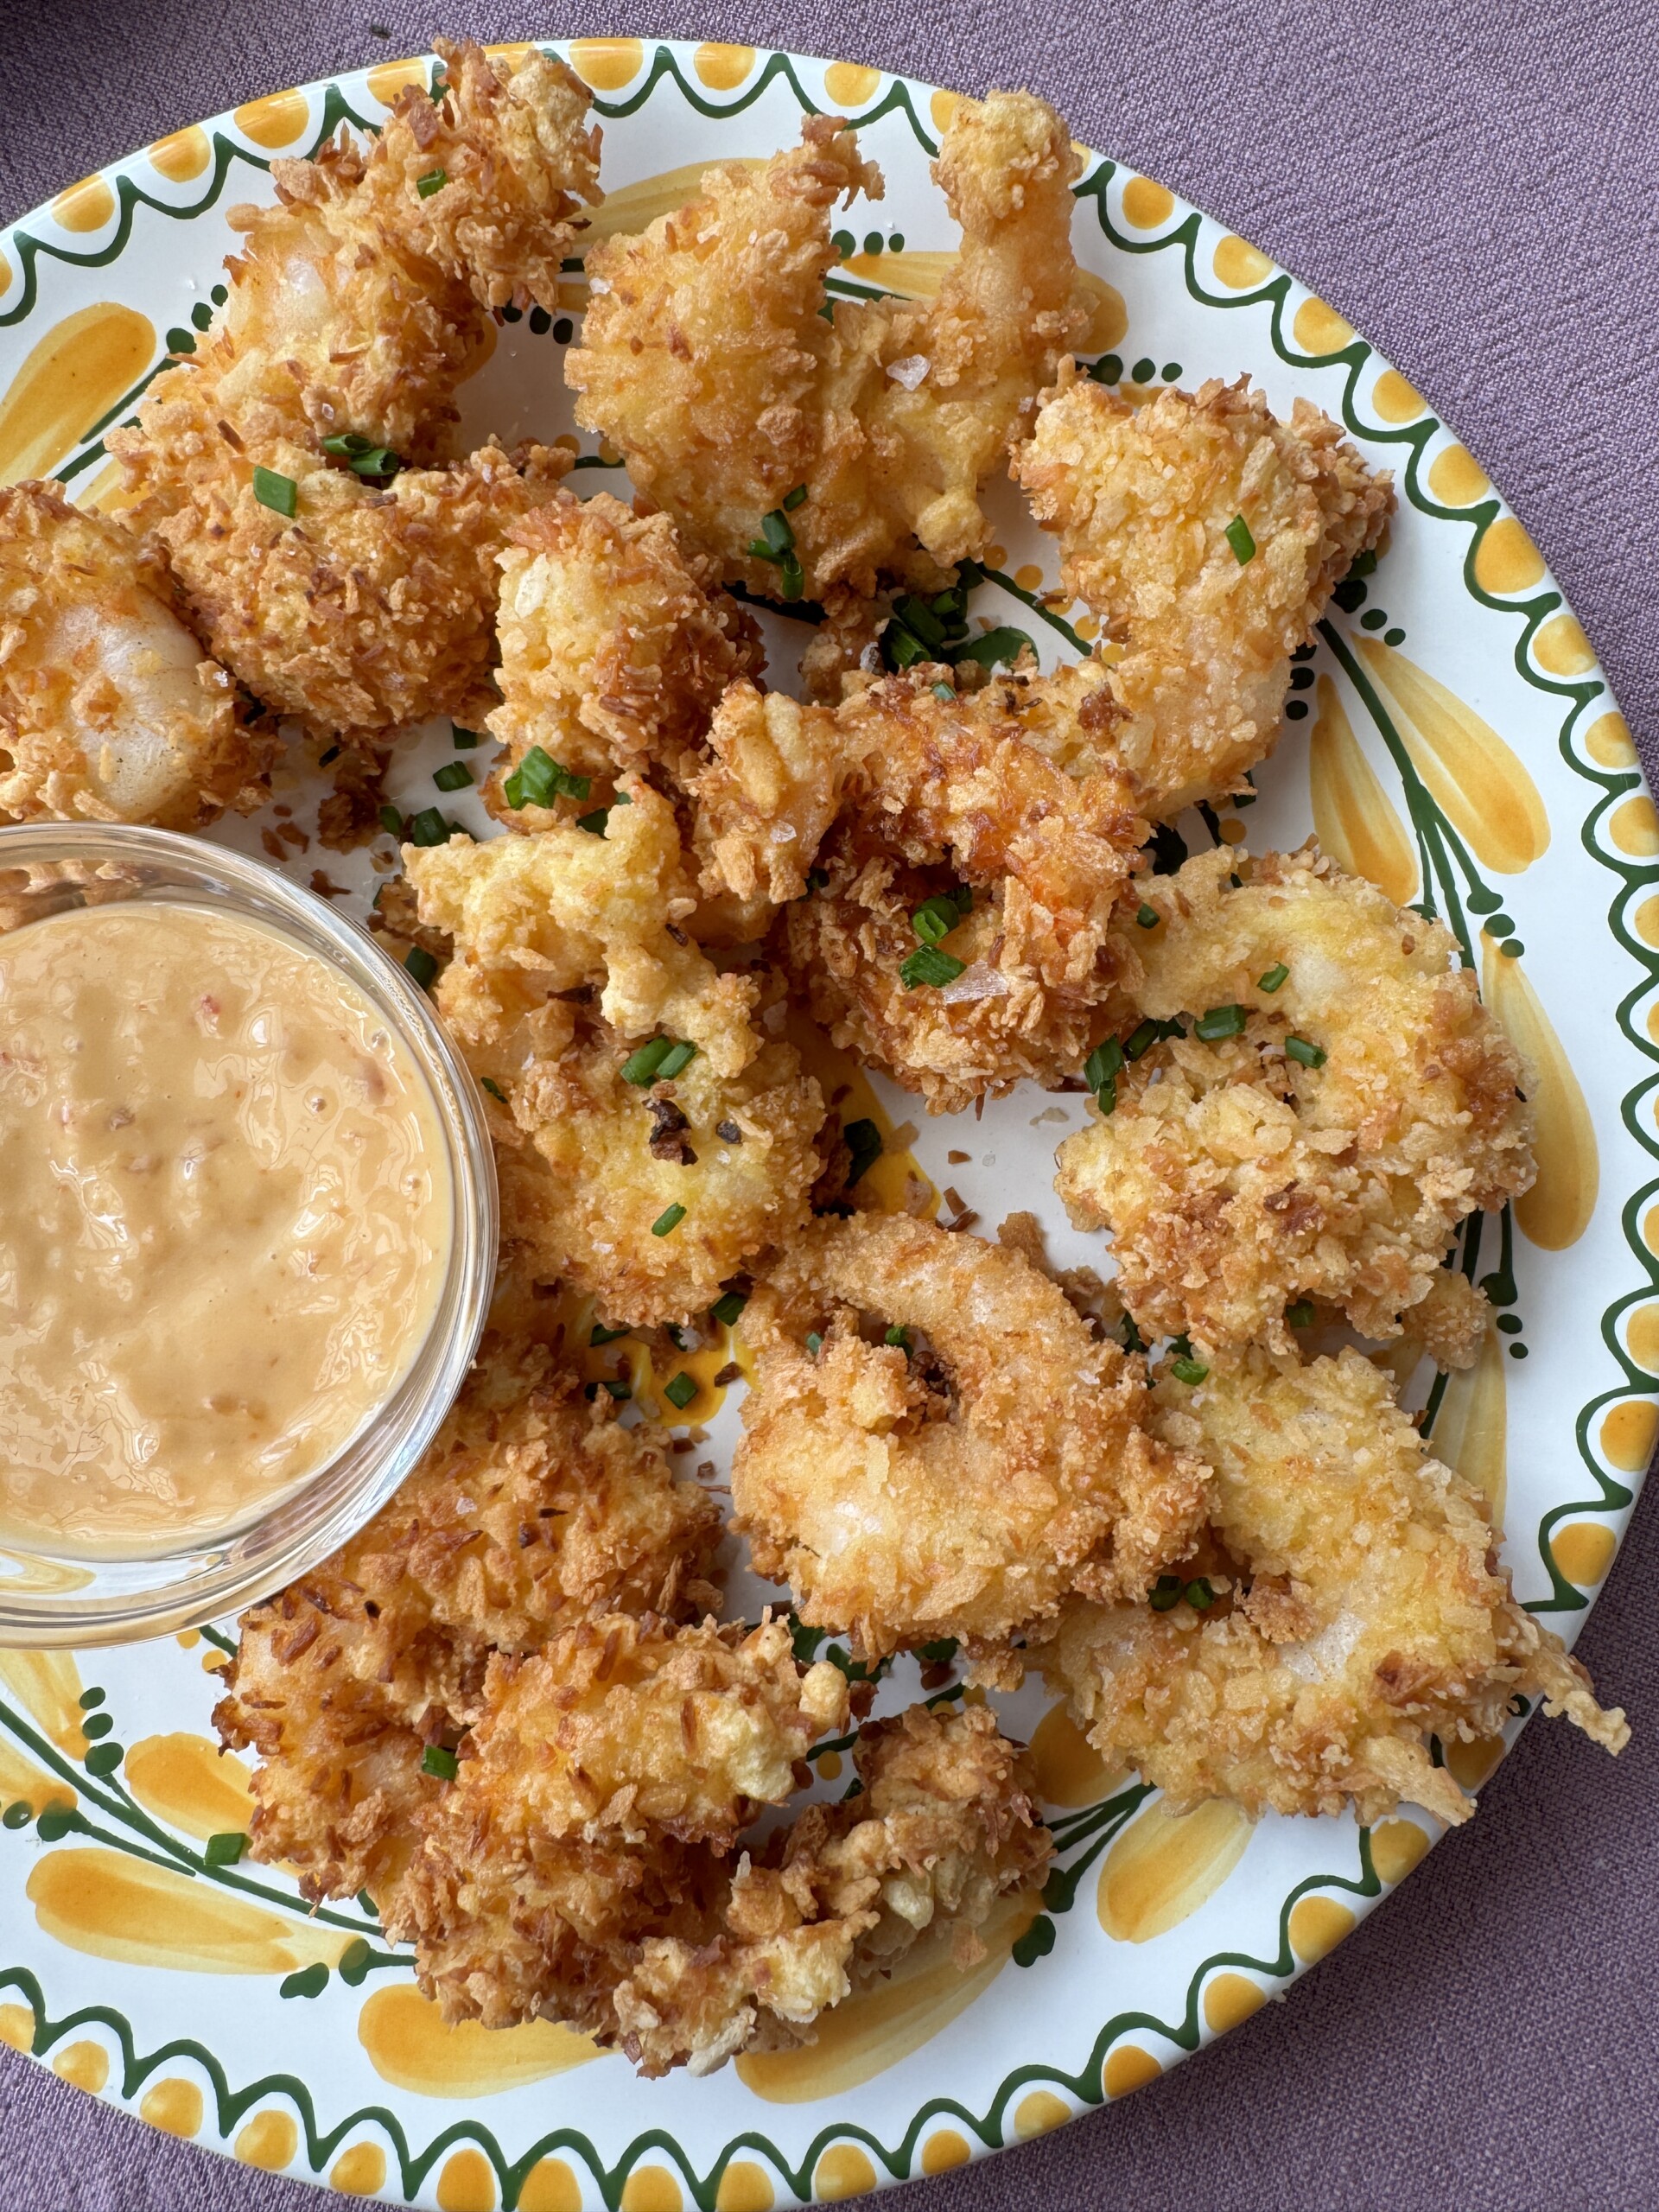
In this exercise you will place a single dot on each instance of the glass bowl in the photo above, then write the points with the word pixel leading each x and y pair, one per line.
pixel 48 1598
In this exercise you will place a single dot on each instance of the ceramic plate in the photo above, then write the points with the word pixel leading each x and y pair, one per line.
pixel 1449 735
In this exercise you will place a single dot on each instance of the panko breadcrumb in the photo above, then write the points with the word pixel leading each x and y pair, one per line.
pixel 936 1445
pixel 1360 1614
pixel 711 359
pixel 1206 536
pixel 1325 1142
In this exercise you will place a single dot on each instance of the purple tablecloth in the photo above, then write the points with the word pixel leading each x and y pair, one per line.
pixel 1473 184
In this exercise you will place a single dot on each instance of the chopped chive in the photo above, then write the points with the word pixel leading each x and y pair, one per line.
pixel 927 964
pixel 538 780
pixel 1199 1595
pixel 780 538
pixel 331 754
pixel 1300 1315
pixel 945 691
pixel 622 799
pixel 1274 977
pixel 759 550
pixel 901 648
pixel 864 1143
pixel 379 461
pixel 465 740
pixel 1166 1592
pixel 1310 1056
pixel 898 1337
pixel 620 1391
pixel 1103 1064
pixel 935 918
pixel 429 827
pixel 726 1307
pixel 1148 918
pixel 814 1343
pixel 668 1222
pixel 792 577
pixel 594 824
pixel 391 822
pixel 433 180
pixel 641 1067
pixel 1106 1094
pixel 1188 1370
pixel 1004 644
pixel 1237 535
pixel 226 1848
pixel 1220 1022
pixel 494 1089
pixel 280 493
pixel 454 776
pixel 680 1389
pixel 599 1334
pixel 679 1056
pixel 421 965
pixel 918 617
pixel 1141 1039
pixel 1133 1339
pixel 795 499
pixel 436 1761
pixel 346 445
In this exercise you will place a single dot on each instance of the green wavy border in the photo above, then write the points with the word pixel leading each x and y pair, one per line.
pixel 1185 2035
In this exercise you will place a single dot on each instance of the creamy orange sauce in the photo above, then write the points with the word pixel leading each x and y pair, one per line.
pixel 226 1223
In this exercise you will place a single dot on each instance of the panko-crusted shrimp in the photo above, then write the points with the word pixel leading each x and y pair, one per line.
pixel 534 917
pixel 351 601
pixel 1148 503
pixel 109 709
pixel 530 1514
pixel 707 360
pixel 626 1728
pixel 1352 1103
pixel 614 647
pixel 1361 1613
pixel 936 1445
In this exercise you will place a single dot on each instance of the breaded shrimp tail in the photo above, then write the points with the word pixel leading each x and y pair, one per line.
pixel 707 360
pixel 110 710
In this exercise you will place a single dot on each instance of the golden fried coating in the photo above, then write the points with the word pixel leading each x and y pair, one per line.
pixel 609 1159
pixel 1329 1149
pixel 110 710
pixel 1143 498
pixel 536 916
pixel 530 1513
pixel 628 1728
pixel 1363 1614
pixel 956 1452
pixel 355 307
pixel 943 1826
pixel 706 361
pixel 614 649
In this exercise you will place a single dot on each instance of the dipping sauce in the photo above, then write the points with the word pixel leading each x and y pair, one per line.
pixel 225 1222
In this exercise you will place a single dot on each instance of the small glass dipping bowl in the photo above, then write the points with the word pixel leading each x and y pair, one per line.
pixel 52 1598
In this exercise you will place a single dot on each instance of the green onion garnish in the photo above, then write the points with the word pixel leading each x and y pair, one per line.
pixel 538 780
pixel 435 1760
pixel 1220 1022
pixel 759 550
pixel 726 1307
pixel 668 1222
pixel 641 1067
pixel 454 776
pixel 331 752
pixel 945 691
pixel 620 1391
pixel 1166 1592
pixel 779 538
pixel 927 964
pixel 1200 1595
pixel 814 1343
pixel 346 445
pixel 391 822
pixel 935 918
pixel 864 1143
pixel 465 738
pixel 280 493
pixel 1300 1315
pixel 1187 1370
pixel 680 1389
pixel 494 1089
pixel 594 824
pixel 1273 978
pixel 1237 535
pixel 599 1334
pixel 1148 918
pixel 433 180
pixel 679 1057
pixel 1106 1094
pixel 1103 1064
pixel 1141 1039
pixel 421 965
pixel 1310 1056
pixel 898 1337
pixel 224 1849
pixel 429 827
pixel 791 578
pixel 919 618
pixel 795 499
pixel 900 647
pixel 1004 644
pixel 1133 1339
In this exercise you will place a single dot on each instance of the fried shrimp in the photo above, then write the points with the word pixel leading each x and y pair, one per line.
pixel 530 1514
pixel 936 1445
pixel 1342 1102
pixel 536 918
pixel 1206 536
pixel 614 648
pixel 291 469
pixel 1361 1613
pixel 109 709
pixel 711 359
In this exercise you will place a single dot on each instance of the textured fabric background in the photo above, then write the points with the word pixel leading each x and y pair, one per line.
pixel 1472 184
